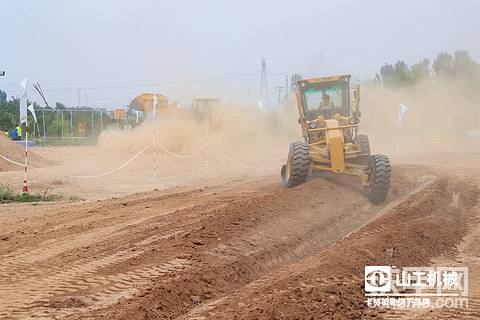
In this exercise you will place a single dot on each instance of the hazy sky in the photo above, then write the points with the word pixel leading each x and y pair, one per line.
pixel 113 50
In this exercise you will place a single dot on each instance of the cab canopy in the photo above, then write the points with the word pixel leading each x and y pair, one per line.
pixel 324 96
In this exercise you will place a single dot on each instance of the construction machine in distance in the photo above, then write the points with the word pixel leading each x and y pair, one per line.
pixel 329 116
pixel 144 103
pixel 204 108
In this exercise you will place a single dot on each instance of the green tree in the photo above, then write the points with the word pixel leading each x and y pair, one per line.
pixel 463 64
pixel 387 73
pixel 402 74
pixel 443 65
pixel 7 121
pixel 397 75
pixel 3 96
pixel 420 71
pixel 60 106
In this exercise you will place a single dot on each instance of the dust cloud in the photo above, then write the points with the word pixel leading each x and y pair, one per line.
pixel 439 113
pixel 230 128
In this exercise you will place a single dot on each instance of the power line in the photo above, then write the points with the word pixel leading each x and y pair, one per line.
pixel 73 87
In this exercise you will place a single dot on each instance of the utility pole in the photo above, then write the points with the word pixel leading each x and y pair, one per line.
pixel 264 85
pixel 279 89
pixel 294 79
pixel 79 97
pixel 286 89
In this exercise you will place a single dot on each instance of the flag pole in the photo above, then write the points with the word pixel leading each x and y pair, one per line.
pixel 25 186
pixel 24 121
pixel 154 134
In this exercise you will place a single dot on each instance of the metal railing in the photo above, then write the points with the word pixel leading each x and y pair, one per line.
pixel 81 126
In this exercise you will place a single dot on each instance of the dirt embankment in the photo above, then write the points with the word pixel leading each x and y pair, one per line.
pixel 15 152
pixel 331 284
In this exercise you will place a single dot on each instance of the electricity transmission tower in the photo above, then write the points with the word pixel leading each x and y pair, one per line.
pixel 264 99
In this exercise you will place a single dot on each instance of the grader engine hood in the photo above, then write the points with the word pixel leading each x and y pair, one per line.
pixel 335 142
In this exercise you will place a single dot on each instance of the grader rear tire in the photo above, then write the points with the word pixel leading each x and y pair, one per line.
pixel 378 167
pixel 296 170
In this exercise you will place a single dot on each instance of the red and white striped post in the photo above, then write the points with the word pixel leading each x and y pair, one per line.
pixel 25 186
pixel 23 120
pixel 154 125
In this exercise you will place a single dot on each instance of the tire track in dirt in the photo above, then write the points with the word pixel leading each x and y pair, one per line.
pixel 467 254
pixel 15 264
pixel 199 244
pixel 77 277
pixel 107 290
pixel 253 238
pixel 26 288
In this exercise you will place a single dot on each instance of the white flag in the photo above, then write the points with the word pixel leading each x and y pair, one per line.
pixel 260 104
pixel 23 102
pixel 23 85
pixel 401 113
pixel 30 108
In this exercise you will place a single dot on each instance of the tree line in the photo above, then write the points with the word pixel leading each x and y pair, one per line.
pixel 458 66
pixel 80 122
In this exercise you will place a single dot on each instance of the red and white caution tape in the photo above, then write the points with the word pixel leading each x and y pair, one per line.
pixel 189 155
pixel 206 145
pixel 112 171
pixel 231 159
pixel 12 161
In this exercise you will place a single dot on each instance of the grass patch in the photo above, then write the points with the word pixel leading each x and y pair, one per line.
pixel 8 196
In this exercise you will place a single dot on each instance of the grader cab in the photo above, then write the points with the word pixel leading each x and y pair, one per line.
pixel 329 116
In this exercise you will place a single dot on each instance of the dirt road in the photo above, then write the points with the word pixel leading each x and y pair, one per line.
pixel 245 249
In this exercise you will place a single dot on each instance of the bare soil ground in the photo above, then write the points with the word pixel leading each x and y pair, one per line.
pixel 230 243
pixel 72 163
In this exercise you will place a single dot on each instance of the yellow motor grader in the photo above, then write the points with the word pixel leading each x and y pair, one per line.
pixel 329 116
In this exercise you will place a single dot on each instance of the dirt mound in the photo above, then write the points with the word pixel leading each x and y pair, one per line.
pixel 16 152
pixel 330 284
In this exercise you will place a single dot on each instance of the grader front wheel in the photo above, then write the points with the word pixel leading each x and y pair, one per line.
pixel 297 168
pixel 378 170
pixel 362 141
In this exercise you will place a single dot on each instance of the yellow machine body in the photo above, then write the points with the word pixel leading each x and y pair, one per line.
pixel 335 144
pixel 329 116
pixel 330 134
